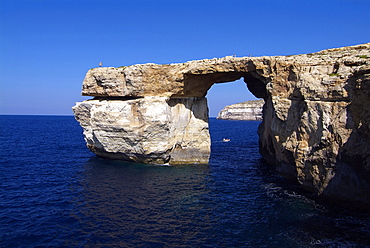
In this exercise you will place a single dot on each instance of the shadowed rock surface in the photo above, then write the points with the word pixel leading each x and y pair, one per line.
pixel 316 117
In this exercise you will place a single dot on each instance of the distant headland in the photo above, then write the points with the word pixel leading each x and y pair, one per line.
pixel 244 111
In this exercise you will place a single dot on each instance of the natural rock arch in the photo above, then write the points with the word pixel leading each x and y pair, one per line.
pixel 316 111
pixel 177 127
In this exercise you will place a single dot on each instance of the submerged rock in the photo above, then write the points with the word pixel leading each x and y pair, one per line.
pixel 316 116
pixel 246 111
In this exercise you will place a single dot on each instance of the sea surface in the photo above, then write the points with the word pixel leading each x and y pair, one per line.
pixel 55 193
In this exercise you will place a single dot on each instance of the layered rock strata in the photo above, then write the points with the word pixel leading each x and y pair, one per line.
pixel 316 117
pixel 244 111
pixel 147 130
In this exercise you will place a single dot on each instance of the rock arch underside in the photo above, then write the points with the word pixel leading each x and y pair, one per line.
pixel 316 117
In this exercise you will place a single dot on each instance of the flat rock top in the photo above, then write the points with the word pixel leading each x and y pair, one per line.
pixel 194 78
pixel 360 53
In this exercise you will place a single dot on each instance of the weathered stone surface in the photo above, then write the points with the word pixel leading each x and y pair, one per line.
pixel 316 117
pixel 147 130
pixel 316 122
pixel 106 81
pixel 246 111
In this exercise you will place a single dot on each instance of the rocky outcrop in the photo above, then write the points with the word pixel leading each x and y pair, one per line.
pixel 244 111
pixel 316 119
pixel 316 127
pixel 147 130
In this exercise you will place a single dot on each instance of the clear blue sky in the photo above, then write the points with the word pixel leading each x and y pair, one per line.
pixel 47 46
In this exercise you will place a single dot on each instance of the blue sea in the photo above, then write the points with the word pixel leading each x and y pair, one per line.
pixel 56 193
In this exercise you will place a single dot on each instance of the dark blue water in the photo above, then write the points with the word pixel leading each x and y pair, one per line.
pixel 55 193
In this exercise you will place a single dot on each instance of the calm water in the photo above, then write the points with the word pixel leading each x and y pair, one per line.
pixel 55 193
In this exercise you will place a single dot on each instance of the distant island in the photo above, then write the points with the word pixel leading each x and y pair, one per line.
pixel 245 111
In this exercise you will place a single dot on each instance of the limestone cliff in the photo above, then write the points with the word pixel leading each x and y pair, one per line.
pixel 246 111
pixel 147 130
pixel 316 117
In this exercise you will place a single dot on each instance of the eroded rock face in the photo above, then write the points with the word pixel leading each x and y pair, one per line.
pixel 316 117
pixel 244 111
pixel 147 130
pixel 316 123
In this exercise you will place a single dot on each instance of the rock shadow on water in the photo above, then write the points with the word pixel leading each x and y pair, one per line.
pixel 312 221
pixel 130 204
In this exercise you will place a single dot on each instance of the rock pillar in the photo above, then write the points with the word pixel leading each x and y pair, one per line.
pixel 147 130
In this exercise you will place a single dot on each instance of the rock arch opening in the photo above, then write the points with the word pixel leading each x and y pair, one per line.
pixel 233 101
pixel 218 87
pixel 199 84
pixel 222 94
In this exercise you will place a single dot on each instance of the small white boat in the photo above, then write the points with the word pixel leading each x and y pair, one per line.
pixel 225 140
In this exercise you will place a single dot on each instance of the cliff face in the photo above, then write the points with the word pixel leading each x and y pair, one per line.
pixel 247 111
pixel 316 117
pixel 316 127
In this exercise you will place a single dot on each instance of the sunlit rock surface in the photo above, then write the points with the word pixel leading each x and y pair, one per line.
pixel 316 117
pixel 148 130
pixel 245 111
